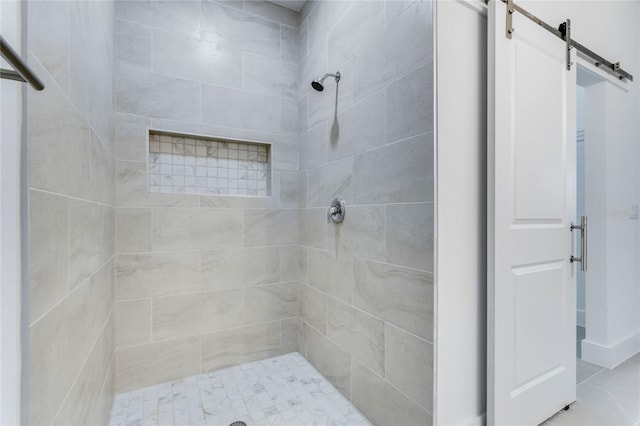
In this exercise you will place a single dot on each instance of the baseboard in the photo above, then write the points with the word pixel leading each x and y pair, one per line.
pixel 613 355
pixel 581 318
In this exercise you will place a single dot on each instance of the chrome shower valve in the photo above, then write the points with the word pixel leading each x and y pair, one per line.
pixel 337 210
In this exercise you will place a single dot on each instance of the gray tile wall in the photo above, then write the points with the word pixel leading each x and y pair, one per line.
pixel 366 298
pixel 204 282
pixel 71 212
pixel 192 283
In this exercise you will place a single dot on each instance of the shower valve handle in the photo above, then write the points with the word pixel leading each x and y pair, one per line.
pixel 337 210
pixel 330 213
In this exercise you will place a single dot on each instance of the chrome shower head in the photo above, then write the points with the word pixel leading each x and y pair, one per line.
pixel 317 83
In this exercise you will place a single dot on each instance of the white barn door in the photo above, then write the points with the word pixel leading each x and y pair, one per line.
pixel 531 204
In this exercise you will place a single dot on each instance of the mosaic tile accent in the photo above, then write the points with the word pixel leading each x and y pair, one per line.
pixel 284 390
pixel 192 165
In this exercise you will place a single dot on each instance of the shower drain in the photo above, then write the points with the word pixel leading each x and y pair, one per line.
pixel 238 423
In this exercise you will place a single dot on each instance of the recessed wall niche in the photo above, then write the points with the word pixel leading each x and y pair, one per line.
pixel 189 164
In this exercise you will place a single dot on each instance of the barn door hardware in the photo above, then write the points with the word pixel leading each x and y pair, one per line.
pixel 564 33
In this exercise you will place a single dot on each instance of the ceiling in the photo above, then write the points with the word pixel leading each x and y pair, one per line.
pixel 290 4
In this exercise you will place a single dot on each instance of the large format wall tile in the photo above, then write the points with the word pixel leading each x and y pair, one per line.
pixel 233 347
pixel 59 140
pixel 176 16
pixel 63 339
pixel 360 334
pixel 229 107
pixel 331 274
pixel 133 44
pixel 289 119
pixel 49 38
pixel 270 76
pixel 395 8
pixel 86 391
pixel 289 44
pixel 133 230
pixel 90 82
pixel 235 268
pixel 221 310
pixel 313 147
pixel 157 274
pixel 132 322
pixel 48 251
pixel 179 316
pixel 331 361
pixel 85 240
pixel 240 30
pixel 289 335
pixel 272 12
pixel 186 229
pixel 397 173
pixel 147 365
pixel 174 317
pixel 362 233
pixel 155 95
pixel 361 128
pixel 101 171
pixel 104 404
pixel 312 307
pixel 411 306
pixel 410 235
pixel 192 58
pixel 72 225
pixel 410 104
pixel 358 25
pixel 329 181
pixel 404 349
pixel 322 19
pixel 312 227
pixel 270 227
pixel 289 190
pixel 381 403
pixel 311 66
pixel 270 302
pixel 131 132
pixel 403 45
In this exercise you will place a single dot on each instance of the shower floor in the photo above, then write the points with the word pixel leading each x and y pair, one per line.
pixel 285 390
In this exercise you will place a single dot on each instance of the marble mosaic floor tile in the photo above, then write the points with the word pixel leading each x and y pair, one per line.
pixel 284 390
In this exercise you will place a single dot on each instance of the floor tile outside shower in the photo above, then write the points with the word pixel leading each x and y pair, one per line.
pixel 604 397
pixel 284 390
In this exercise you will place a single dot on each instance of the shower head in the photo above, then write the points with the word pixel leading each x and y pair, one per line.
pixel 317 83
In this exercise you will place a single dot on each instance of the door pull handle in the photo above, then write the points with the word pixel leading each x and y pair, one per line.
pixel 583 244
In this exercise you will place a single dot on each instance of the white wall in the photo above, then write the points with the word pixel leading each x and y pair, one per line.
pixel 10 270
pixel 460 212
pixel 609 28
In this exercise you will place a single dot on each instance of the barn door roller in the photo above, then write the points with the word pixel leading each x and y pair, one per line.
pixel 563 32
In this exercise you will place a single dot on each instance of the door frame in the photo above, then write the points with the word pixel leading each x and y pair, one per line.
pixel 601 348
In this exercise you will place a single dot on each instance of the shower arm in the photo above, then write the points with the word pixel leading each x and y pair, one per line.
pixel 327 75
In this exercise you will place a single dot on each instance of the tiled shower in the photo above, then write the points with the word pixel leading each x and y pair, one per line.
pixel 180 171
